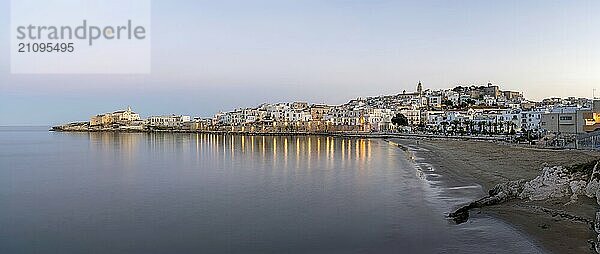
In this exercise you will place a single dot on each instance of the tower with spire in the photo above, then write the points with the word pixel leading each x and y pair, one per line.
pixel 420 88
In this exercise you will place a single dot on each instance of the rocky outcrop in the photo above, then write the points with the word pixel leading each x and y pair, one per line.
pixel 597 224
pixel 597 229
pixel 592 190
pixel 578 187
pixel 558 182
pixel 81 126
pixel 554 182
pixel 499 194
pixel 510 189
pixel 593 186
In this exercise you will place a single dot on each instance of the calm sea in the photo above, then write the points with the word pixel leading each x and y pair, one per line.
pixel 201 193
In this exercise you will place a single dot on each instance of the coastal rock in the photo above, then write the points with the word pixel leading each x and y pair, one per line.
pixel 510 189
pixel 597 246
pixel 578 187
pixel 500 193
pixel 597 223
pixel 554 182
pixel 594 183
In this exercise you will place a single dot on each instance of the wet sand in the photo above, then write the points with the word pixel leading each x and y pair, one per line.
pixel 488 164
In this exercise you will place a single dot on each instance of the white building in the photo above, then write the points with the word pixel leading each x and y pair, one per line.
pixel 169 121
pixel 530 120
pixel 434 101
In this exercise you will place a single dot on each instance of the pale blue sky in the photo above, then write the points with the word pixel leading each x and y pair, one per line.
pixel 218 55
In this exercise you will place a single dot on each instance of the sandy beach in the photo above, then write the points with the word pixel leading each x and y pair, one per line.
pixel 489 163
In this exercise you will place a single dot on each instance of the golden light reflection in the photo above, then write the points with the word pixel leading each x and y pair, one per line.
pixel 309 152
pixel 318 148
pixel 356 151
pixel 274 151
pixel 198 146
pixel 343 151
pixel 327 147
pixel 263 146
pixel 349 148
pixel 224 147
pixel 369 150
pixel 232 147
pixel 297 152
pixel 242 140
pixel 332 149
pixel 363 149
pixel 351 152
pixel 285 151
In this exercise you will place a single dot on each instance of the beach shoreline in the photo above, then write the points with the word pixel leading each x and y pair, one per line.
pixel 490 163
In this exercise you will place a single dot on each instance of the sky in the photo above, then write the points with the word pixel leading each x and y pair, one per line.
pixel 210 56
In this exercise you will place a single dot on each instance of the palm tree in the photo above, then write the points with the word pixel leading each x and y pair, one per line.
pixel 455 124
pixel 481 124
pixel 512 128
pixel 444 126
pixel 471 126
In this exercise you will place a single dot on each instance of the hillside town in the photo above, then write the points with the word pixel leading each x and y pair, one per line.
pixel 475 110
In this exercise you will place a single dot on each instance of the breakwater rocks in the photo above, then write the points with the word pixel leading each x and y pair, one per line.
pixel 552 183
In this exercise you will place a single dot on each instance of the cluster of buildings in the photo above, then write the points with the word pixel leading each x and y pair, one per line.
pixel 129 120
pixel 118 119
pixel 468 110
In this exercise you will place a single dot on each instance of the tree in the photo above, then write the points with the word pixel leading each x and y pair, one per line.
pixel 470 126
pixel 444 126
pixel 400 120
pixel 512 128
pixel 455 124
pixel 480 125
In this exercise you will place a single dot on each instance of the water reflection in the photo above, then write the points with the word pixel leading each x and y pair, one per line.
pixel 284 151
pixel 190 193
